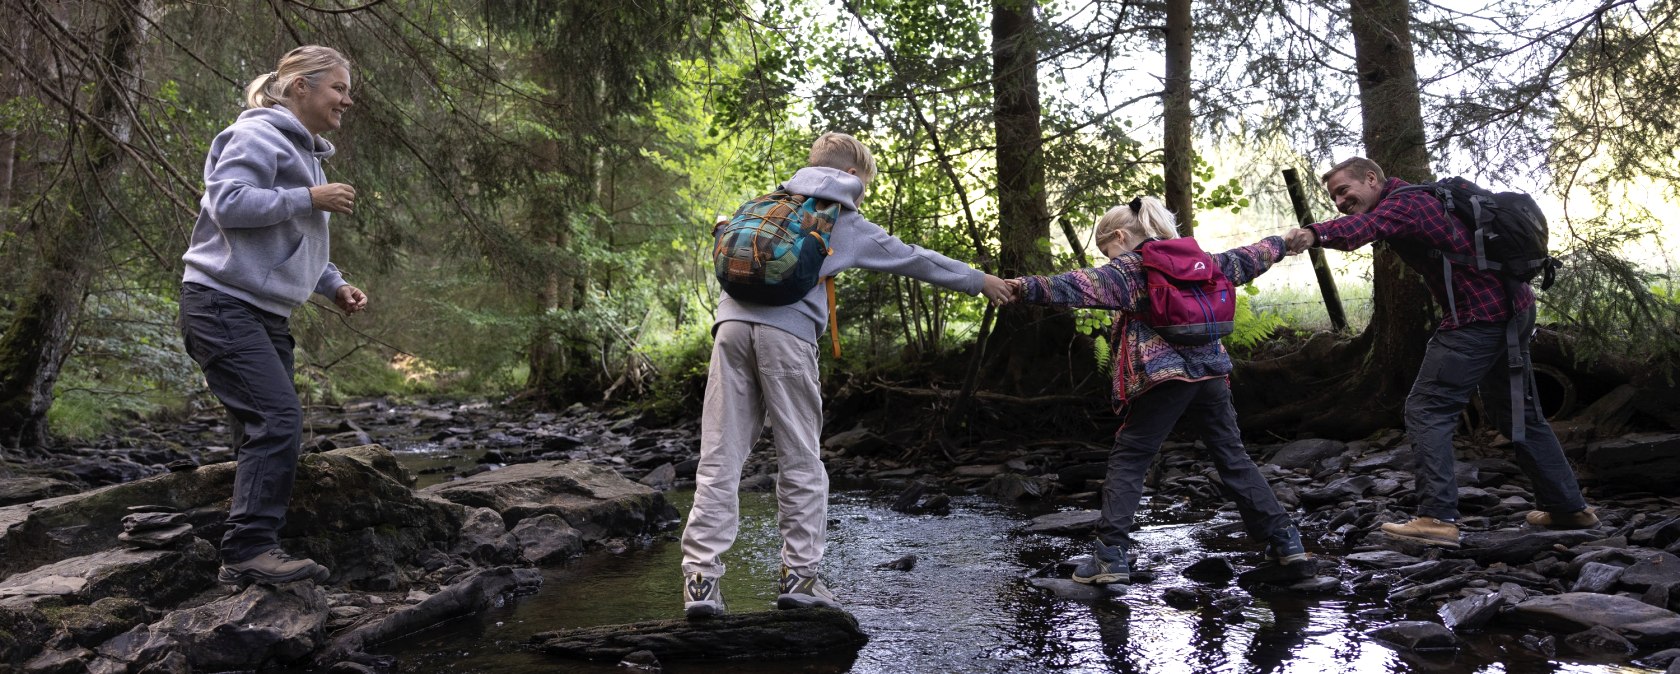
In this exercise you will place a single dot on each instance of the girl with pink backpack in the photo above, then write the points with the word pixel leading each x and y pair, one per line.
pixel 1159 287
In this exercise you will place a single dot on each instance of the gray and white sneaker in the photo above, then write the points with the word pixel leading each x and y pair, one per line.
pixel 803 591
pixel 702 597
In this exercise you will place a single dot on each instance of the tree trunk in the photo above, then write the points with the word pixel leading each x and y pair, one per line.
pixel 1177 154
pixel 34 345
pixel 1026 337
pixel 1360 386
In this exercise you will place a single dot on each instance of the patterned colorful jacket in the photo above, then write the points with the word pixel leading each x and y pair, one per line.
pixel 1142 358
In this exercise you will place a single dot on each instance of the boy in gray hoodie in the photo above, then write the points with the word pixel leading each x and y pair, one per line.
pixel 259 248
pixel 764 364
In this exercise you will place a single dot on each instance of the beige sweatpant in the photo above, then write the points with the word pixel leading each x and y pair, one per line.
pixel 759 372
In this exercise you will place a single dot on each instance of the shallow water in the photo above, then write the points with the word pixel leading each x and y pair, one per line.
pixel 966 606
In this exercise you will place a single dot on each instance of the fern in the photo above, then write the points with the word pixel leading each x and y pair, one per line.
pixel 1250 327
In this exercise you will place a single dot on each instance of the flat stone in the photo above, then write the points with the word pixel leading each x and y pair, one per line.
pixel 1380 559
pixel 1473 612
pixel 1571 612
pixel 1068 523
pixel 1076 591
pixel 145 521
pixel 156 539
pixel 1640 460
pixel 1596 577
pixel 14 490
pixel 595 500
pixel 1417 635
pixel 1306 453
pixel 1653 568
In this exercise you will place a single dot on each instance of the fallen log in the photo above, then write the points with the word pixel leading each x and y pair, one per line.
pixel 761 635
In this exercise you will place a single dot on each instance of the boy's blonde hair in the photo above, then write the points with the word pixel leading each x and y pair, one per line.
pixel 1151 220
pixel 841 151
pixel 306 63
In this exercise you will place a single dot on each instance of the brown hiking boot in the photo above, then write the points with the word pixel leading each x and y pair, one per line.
pixel 1427 530
pixel 272 566
pixel 1584 519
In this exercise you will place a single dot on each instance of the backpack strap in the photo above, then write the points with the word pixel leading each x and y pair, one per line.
pixel 1514 362
pixel 833 317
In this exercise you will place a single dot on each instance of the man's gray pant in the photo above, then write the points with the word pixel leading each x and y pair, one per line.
pixel 246 355
pixel 1149 418
pixel 1455 364
pixel 759 371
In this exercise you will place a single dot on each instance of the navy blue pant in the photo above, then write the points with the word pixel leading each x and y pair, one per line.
pixel 1456 363
pixel 246 355
pixel 1149 418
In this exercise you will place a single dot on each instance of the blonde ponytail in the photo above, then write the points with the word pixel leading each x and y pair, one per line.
pixel 305 63
pixel 1142 219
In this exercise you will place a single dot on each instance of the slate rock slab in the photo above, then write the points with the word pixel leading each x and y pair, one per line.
pixel 1069 523
pixel 1417 635
pixel 1571 612
pixel 762 635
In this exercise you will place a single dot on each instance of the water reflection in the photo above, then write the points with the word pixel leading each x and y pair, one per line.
pixel 965 606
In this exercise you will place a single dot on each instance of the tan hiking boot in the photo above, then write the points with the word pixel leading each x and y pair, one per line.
pixel 1584 519
pixel 272 566
pixel 1427 530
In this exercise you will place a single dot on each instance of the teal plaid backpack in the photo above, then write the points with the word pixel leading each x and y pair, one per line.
pixel 771 251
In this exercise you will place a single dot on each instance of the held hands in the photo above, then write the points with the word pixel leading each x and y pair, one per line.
pixel 997 291
pixel 351 299
pixel 333 198
pixel 1299 239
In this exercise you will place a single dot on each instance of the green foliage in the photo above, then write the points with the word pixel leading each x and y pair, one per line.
pixel 127 362
pixel 1251 327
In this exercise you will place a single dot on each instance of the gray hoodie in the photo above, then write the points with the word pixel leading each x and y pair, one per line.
pixel 856 242
pixel 258 238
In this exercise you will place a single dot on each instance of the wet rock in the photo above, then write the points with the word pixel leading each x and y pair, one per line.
pixel 1075 476
pixel 1075 591
pixel 1544 644
pixel 1278 575
pixel 904 563
pixel 485 537
pixel 1317 585
pixel 937 504
pixel 1380 559
pixel 596 501
pixel 1640 460
pixel 1306 453
pixel 471 594
pixel 1343 489
pixel 1210 570
pixel 978 471
pixel 1392 459
pixel 1013 487
pixel 1066 523
pixel 1577 611
pixel 1600 640
pixel 1416 636
pixel 1596 577
pixel 1473 612
pixel 260 626
pixel 765 634
pixel 547 539
pixel 1517 546
pixel 857 442
pixel 16 490
pixel 1181 598
pixel 1655 568
pixel 1657 535
pixel 642 660
pixel 906 501
pixel 661 478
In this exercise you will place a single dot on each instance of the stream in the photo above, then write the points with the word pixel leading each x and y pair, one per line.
pixel 966 606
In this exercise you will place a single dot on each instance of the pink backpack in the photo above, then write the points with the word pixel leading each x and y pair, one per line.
pixel 1190 300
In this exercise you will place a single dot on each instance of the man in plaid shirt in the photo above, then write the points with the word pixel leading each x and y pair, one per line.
pixel 1465 352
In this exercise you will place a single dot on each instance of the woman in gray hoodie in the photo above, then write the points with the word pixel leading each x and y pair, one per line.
pixel 258 250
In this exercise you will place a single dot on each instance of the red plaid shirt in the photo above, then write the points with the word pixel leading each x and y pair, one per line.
pixel 1418 218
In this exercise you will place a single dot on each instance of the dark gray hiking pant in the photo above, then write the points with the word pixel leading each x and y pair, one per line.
pixel 1149 418
pixel 246 355
pixel 1455 364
